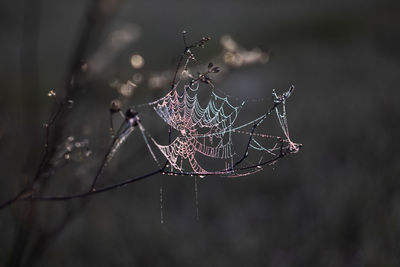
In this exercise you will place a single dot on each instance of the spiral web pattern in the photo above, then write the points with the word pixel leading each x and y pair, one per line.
pixel 208 131
pixel 201 130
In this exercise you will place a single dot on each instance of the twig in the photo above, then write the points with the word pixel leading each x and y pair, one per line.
pixel 106 157
pixel 74 69
pixel 97 191
pixel 26 190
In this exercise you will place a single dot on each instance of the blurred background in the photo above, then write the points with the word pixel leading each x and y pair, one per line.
pixel 335 203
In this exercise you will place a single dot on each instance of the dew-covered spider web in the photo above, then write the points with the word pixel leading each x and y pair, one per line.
pixel 202 130
pixel 204 142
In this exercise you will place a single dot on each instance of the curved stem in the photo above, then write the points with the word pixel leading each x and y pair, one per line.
pixel 93 192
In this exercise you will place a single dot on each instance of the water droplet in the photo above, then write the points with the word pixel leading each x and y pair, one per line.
pixel 88 153
pixel 161 206
pixel 196 193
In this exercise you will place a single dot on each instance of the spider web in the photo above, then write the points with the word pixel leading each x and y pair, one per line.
pixel 208 130
pixel 201 130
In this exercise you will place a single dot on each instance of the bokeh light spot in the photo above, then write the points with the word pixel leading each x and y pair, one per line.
pixel 137 61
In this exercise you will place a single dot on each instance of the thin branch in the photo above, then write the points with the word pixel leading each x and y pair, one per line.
pixel 27 190
pixel 229 171
pixel 96 191
pixel 246 152
pixel 106 158
pixel 93 17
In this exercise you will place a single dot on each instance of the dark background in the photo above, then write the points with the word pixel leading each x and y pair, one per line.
pixel 335 203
